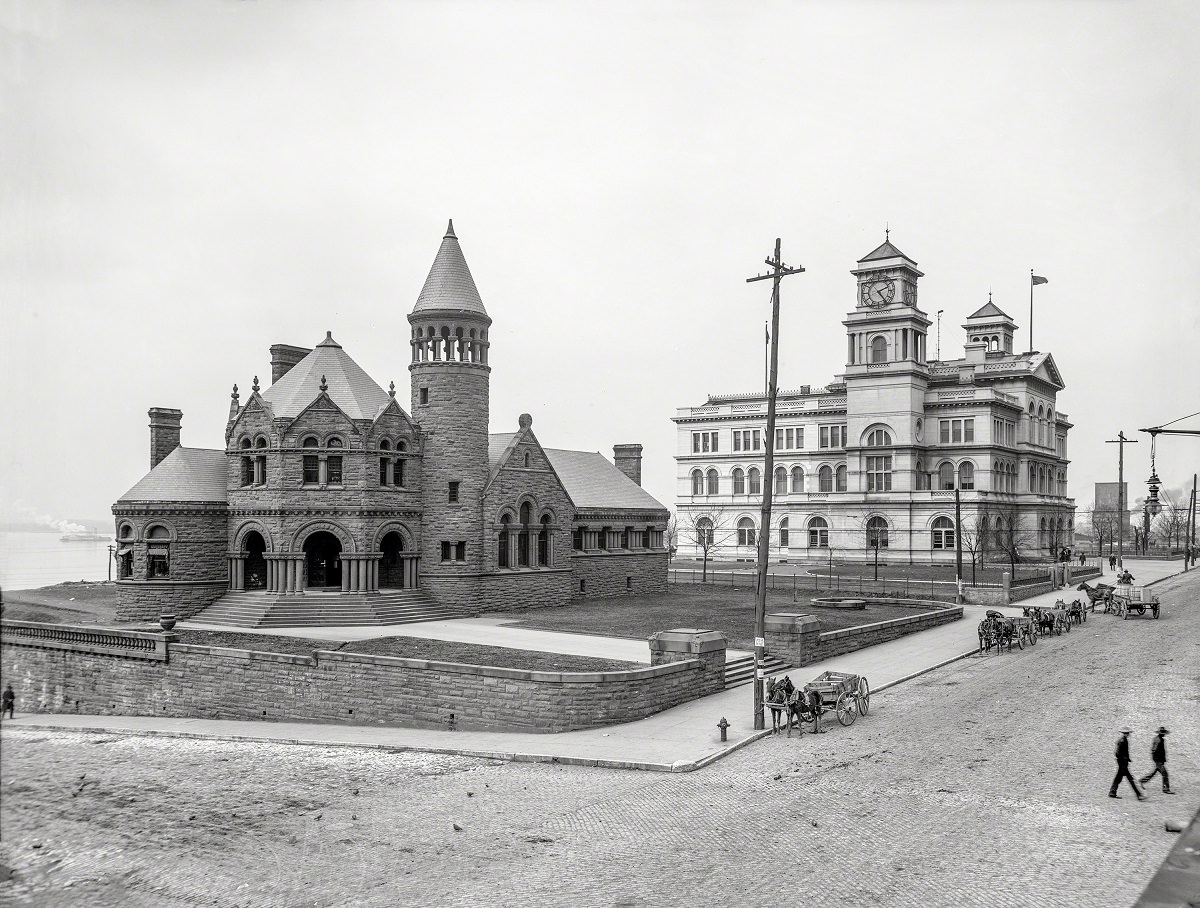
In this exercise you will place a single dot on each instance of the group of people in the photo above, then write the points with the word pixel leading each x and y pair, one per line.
pixel 1158 753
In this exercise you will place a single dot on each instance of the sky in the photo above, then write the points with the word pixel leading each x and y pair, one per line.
pixel 183 185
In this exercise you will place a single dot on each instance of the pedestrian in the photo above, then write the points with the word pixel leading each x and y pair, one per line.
pixel 1082 558
pixel 10 700
pixel 1123 767
pixel 1112 562
pixel 1158 753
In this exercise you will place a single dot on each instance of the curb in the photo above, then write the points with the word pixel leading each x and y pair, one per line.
pixel 925 671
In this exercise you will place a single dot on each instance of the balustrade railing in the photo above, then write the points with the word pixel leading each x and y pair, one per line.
pixel 129 644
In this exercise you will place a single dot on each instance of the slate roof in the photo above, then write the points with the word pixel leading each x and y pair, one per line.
pixel 449 285
pixel 990 310
pixel 186 474
pixel 886 251
pixel 593 481
pixel 348 385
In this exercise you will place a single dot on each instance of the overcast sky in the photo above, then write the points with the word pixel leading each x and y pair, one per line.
pixel 184 184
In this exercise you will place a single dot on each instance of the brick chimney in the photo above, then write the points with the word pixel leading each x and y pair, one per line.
pixel 283 357
pixel 164 433
pixel 628 459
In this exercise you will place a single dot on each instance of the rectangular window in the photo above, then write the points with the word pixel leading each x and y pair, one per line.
pixel 445 551
pixel 968 430
pixel 460 551
pixel 704 442
pixel 247 471
pixel 424 395
pixel 384 468
pixel 956 430
pixel 833 437
pixel 158 563
pixel 944 431
pixel 312 469
pixel 577 540
pixel 737 440
pixel 695 442
pixel 779 439
pixel 335 470
pixel 818 538
pixel 879 474
pixel 757 440
pixel 453 492
pixel 398 472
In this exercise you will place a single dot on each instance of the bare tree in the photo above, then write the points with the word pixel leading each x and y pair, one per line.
pixel 671 534
pixel 1171 523
pixel 707 530
pixel 1007 537
pixel 973 533
pixel 1103 523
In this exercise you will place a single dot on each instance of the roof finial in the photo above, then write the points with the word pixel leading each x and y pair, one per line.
pixel 450 229
pixel 254 387
pixel 324 385
pixel 887 231
pixel 391 389
pixel 989 294
pixel 234 395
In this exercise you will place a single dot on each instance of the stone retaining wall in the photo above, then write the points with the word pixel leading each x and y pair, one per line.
pixel 798 639
pixel 219 683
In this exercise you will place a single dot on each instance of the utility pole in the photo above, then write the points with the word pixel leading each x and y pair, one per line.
pixel 1122 441
pixel 778 272
pixel 958 538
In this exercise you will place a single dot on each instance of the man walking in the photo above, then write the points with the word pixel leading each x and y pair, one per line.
pixel 1123 767
pixel 10 698
pixel 1158 753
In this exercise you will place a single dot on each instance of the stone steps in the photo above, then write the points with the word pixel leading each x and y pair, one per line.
pixel 741 671
pixel 324 609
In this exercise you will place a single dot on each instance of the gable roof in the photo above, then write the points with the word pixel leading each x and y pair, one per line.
pixel 593 481
pixel 990 310
pixel 186 474
pixel 348 386
pixel 885 251
pixel 1044 362
pixel 449 285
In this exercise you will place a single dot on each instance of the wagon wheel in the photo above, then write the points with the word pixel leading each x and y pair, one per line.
pixel 847 712
pixel 1156 611
pixel 1067 625
pixel 864 696
pixel 1020 641
pixel 1033 635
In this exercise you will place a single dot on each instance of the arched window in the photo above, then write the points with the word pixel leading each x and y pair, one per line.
pixel 713 482
pixel 879 438
pixel 526 458
pixel 966 475
pixel 877 533
pixel 923 478
pixel 385 445
pixel 260 442
pixel 739 481
pixel 797 479
pixel 840 478
pixel 334 442
pixel 755 481
pixel 946 476
pixel 818 533
pixel 879 349
pixel 745 531
pixel 704 533
pixel 780 485
pixel 158 553
pixel 1042 541
pixel 783 533
pixel 825 478
pixel 502 542
pixel 401 446
pixel 1033 477
pixel 246 443
pixel 943 533
pixel 543 546
pixel 1042 479
pixel 524 535
pixel 697 482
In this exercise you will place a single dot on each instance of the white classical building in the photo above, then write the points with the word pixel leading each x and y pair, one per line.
pixel 877 455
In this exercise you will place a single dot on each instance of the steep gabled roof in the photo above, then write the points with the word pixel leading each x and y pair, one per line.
pixel 1044 362
pixel 594 482
pixel 885 251
pixel 347 385
pixel 449 286
pixel 990 310
pixel 186 474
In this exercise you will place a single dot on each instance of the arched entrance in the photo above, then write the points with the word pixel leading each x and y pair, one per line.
pixel 256 564
pixel 323 559
pixel 391 565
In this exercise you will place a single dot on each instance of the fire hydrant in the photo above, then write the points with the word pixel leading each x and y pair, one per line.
pixel 723 724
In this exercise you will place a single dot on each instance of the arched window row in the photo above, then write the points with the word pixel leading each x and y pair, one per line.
pixel 950 477
pixel 449 344
pixel 632 537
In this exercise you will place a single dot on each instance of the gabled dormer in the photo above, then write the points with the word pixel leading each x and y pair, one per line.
pixel 990 325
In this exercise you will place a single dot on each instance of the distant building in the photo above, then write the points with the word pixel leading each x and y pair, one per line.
pixel 328 489
pixel 877 454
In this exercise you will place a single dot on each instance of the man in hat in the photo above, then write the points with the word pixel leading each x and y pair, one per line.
pixel 1158 753
pixel 1123 767
pixel 10 698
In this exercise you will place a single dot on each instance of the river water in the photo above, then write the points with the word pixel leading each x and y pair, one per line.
pixel 40 559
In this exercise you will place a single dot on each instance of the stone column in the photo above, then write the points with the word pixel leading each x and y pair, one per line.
pixel 684 643
pixel 793 637
pixel 323 470
pixel 345 576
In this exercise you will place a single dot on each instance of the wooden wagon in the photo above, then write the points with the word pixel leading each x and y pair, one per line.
pixel 847 695
pixel 1135 600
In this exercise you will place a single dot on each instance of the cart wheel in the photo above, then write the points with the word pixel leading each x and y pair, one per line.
pixel 864 696
pixel 847 712
pixel 1156 613
pixel 1033 636
pixel 1020 641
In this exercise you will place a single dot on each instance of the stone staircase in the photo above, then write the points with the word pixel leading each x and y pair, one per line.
pixel 324 609
pixel 741 671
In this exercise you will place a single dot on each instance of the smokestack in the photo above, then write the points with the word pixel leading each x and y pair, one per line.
pixel 628 459
pixel 164 433
pixel 283 357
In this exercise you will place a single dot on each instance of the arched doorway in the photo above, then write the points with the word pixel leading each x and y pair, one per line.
pixel 256 564
pixel 323 558
pixel 391 565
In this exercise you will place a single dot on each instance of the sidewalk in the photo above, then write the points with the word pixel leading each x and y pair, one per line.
pixel 681 739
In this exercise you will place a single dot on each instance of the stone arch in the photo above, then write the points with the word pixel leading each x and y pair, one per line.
pixel 155 524
pixel 239 538
pixel 328 526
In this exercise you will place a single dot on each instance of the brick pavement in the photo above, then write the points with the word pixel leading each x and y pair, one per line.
pixel 980 784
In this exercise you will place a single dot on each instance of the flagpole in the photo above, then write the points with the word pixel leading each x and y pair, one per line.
pixel 1030 310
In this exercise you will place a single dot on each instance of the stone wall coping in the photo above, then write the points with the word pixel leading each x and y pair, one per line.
pixel 792 622
pixel 81 628
pixel 893 622
pixel 687 640
pixel 492 575
pixel 615 553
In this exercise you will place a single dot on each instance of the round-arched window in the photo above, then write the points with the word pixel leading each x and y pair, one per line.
pixel 818 533
pixel 797 479
pixel 943 533
pixel 739 481
pixel 877 532
pixel 745 531
pixel 334 442
pixel 879 438
pixel 966 475
pixel 946 476
pixel 697 482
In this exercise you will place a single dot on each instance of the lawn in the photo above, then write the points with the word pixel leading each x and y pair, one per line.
pixel 730 611
pixel 76 602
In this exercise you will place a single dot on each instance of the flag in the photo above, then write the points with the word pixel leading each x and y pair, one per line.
pixel 1039 280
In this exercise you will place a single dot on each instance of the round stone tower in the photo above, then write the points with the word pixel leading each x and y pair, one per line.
pixel 450 374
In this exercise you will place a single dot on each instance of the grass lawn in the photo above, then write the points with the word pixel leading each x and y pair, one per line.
pixel 730 611
pixel 76 602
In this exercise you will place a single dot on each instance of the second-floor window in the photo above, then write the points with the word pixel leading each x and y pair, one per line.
pixel 956 431
pixel 747 440
pixel 789 439
pixel 879 474
pixel 833 436
pixel 704 442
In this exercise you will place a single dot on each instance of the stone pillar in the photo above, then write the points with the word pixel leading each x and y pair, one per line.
pixel 373 583
pixel 239 572
pixel 345 576
pixel 793 637
pixel 289 576
pixel 323 470
pixel 683 643
pixel 1005 587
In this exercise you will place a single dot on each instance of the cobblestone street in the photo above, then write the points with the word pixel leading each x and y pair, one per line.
pixel 983 783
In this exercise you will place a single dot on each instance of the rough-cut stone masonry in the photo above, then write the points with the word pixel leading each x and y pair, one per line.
pixel 798 639
pixel 602 575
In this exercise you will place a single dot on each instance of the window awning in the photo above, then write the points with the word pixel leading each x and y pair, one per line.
pixel 124 550
pixel 159 549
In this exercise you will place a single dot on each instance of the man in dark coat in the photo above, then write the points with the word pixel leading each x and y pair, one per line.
pixel 1158 753
pixel 10 698
pixel 1123 767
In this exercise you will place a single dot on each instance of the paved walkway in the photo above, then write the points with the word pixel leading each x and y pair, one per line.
pixel 676 740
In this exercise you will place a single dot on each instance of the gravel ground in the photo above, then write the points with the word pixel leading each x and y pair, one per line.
pixel 981 784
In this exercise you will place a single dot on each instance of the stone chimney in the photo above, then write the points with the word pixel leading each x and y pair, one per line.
pixel 164 433
pixel 628 459
pixel 283 357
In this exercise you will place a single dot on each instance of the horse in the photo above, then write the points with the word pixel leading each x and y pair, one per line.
pixel 804 706
pixel 996 629
pixel 777 701
pixel 1076 612
pixel 1101 592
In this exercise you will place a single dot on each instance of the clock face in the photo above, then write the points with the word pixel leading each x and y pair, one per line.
pixel 910 293
pixel 878 293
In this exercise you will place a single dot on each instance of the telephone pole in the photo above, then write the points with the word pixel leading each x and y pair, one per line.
pixel 1122 441
pixel 778 272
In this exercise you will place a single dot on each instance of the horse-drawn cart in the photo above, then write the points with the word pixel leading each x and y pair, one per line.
pixel 1135 600
pixel 848 695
